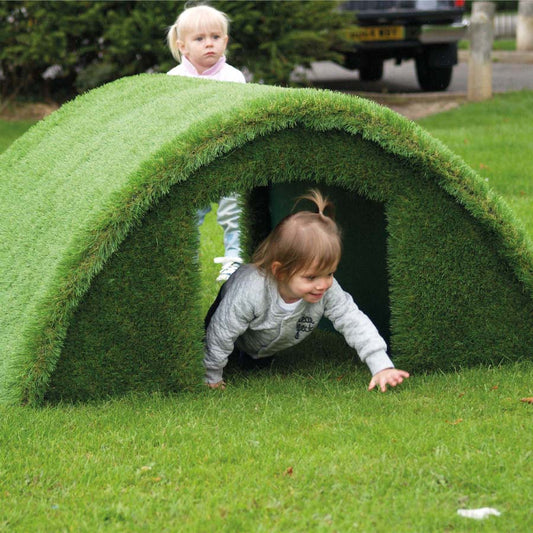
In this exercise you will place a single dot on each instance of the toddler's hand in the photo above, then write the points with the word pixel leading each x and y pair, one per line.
pixel 220 385
pixel 389 376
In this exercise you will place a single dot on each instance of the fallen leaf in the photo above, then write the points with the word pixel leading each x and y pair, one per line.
pixel 527 400
pixel 455 422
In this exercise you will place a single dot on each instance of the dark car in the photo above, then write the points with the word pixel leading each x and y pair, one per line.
pixel 424 30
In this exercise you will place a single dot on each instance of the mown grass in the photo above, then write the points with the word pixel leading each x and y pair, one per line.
pixel 495 139
pixel 10 130
pixel 301 451
pixel 303 446
pixel 508 45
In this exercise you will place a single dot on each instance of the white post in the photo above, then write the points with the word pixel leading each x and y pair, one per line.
pixel 524 26
pixel 481 39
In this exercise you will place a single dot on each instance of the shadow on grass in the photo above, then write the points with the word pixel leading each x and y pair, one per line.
pixel 323 354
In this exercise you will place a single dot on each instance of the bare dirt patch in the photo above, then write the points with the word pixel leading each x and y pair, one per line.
pixel 418 105
pixel 412 106
pixel 26 111
pixel 416 110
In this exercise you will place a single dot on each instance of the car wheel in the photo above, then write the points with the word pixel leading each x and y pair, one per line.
pixel 371 72
pixel 432 78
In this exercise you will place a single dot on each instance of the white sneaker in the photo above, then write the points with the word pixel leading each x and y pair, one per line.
pixel 229 266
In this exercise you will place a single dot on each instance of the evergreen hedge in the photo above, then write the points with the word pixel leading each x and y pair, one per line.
pixel 99 246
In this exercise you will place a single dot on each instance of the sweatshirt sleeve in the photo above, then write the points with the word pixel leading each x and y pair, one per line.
pixel 358 330
pixel 229 322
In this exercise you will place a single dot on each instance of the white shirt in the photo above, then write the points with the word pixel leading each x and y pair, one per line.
pixel 220 71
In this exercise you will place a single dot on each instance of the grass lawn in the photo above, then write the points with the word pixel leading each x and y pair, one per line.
pixel 508 45
pixel 301 451
pixel 495 139
pixel 10 130
pixel 303 446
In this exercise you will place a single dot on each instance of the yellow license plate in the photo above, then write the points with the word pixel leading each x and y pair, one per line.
pixel 376 33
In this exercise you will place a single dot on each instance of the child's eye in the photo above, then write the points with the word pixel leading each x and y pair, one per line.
pixel 310 278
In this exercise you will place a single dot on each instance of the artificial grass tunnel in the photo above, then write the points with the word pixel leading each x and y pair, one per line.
pixel 100 280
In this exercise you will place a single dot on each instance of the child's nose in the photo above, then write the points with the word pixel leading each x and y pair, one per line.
pixel 322 283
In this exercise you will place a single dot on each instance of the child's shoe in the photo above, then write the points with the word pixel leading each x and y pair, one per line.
pixel 229 266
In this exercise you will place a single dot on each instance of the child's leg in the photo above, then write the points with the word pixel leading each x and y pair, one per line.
pixel 200 214
pixel 212 309
pixel 228 218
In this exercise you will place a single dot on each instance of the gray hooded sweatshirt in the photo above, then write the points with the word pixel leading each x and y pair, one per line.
pixel 251 318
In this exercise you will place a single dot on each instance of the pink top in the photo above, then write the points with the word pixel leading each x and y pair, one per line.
pixel 220 71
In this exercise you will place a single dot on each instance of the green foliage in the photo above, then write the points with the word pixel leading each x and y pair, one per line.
pixel 97 42
pixel 38 35
pixel 92 42
pixel 101 264
pixel 272 38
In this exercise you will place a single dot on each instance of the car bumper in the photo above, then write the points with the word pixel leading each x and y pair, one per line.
pixel 433 34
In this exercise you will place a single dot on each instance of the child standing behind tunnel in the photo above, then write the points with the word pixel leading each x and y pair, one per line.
pixel 277 301
pixel 198 40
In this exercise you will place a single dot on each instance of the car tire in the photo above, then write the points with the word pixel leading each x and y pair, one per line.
pixel 371 72
pixel 432 78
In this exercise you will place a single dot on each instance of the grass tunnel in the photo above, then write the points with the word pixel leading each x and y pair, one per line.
pixel 100 280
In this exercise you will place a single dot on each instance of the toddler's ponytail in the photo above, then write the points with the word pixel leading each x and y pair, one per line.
pixel 322 203
pixel 172 41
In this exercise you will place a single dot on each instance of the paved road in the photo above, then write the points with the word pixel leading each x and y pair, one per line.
pixel 510 72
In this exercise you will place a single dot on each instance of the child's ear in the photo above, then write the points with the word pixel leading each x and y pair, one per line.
pixel 276 265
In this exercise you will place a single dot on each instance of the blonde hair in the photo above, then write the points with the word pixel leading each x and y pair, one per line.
pixel 301 241
pixel 195 19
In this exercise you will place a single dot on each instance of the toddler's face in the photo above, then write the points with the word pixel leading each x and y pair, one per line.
pixel 203 48
pixel 309 285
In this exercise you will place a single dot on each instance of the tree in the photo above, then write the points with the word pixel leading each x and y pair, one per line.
pixel 271 38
